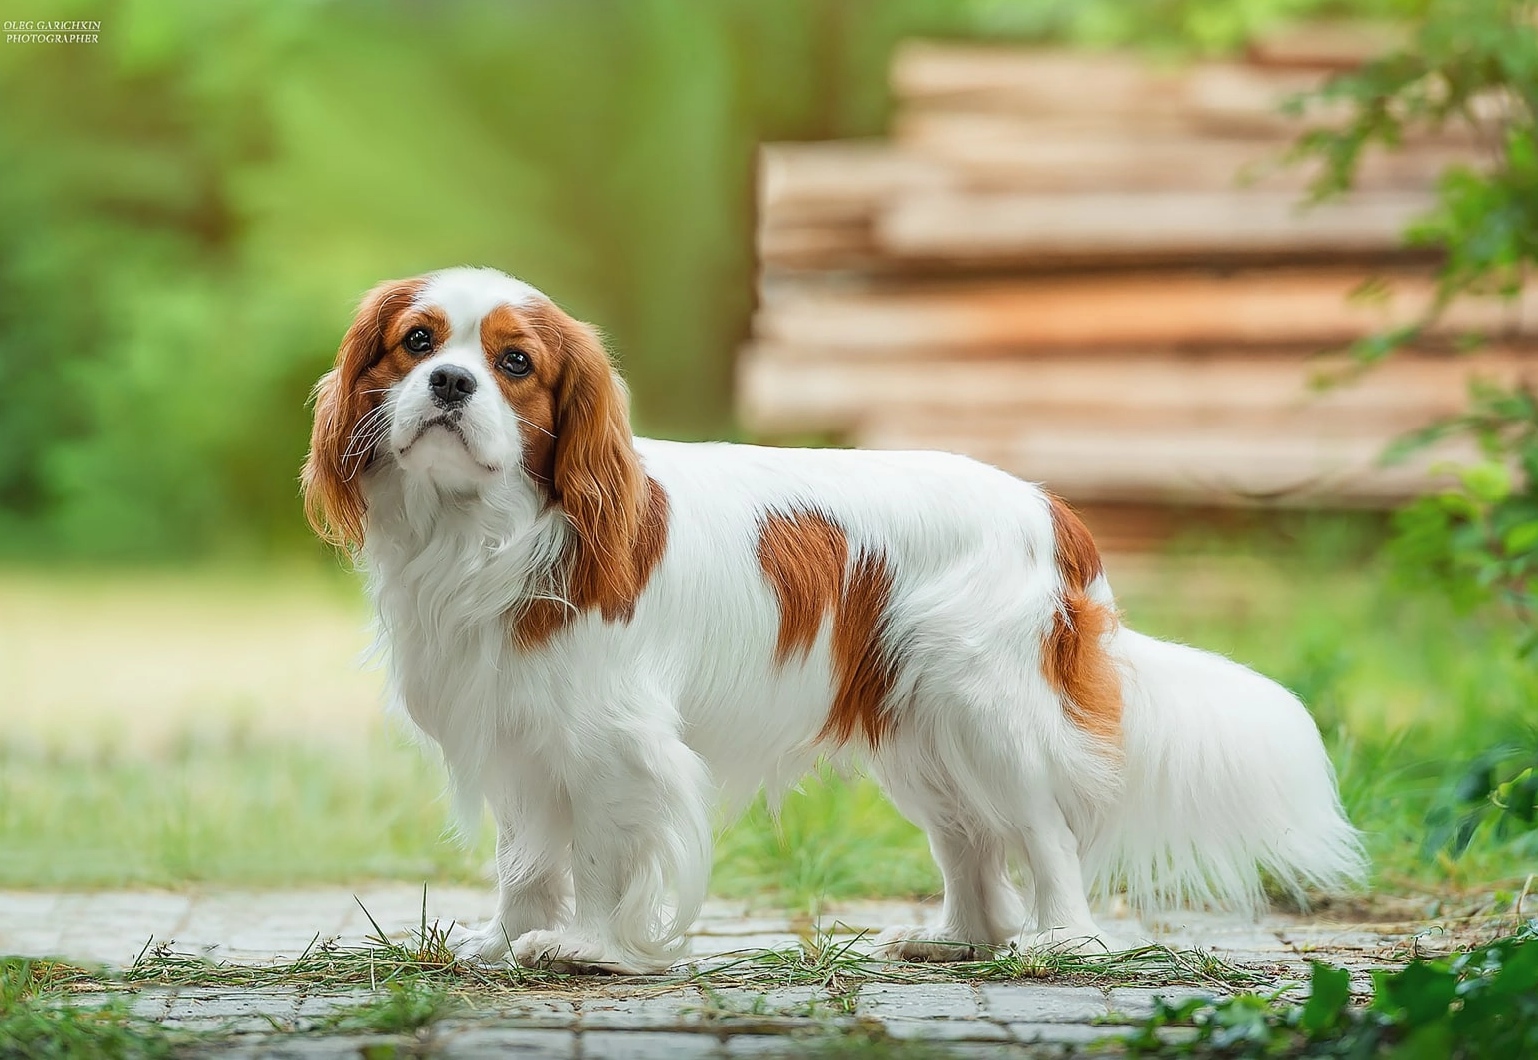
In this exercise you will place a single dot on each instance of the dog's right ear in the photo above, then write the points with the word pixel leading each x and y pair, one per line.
pixel 333 490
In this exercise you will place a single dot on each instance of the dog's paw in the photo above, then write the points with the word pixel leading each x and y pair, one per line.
pixel 490 944
pixel 1064 940
pixel 927 944
pixel 555 951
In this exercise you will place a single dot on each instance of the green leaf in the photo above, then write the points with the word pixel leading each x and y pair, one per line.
pixel 1421 994
pixel 1329 993
pixel 1521 538
pixel 1431 1042
pixel 1488 481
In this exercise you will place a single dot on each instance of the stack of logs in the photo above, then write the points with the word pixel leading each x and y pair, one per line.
pixel 1093 272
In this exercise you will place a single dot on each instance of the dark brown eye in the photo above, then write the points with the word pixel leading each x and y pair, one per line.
pixel 515 363
pixel 418 340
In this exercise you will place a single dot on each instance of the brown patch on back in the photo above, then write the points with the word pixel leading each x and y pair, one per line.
pixel 544 616
pixel 1078 559
pixel 805 559
pixel 803 556
pixel 1074 658
pixel 860 664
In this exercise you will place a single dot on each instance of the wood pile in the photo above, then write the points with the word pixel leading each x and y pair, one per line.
pixel 1093 272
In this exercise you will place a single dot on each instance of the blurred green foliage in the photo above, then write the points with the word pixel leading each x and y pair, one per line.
pixel 189 209
pixel 1470 66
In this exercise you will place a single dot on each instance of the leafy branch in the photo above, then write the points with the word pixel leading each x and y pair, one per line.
pixel 1469 73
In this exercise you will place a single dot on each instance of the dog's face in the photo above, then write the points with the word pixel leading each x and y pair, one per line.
pixel 463 378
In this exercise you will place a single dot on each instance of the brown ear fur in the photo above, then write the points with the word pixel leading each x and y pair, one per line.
pixel 598 479
pixel 333 490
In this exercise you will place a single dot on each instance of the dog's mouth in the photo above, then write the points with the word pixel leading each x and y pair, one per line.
pixel 449 421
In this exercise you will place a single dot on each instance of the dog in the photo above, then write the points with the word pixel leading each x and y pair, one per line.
pixel 612 637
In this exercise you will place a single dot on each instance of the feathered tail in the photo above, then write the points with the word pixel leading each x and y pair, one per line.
pixel 1226 779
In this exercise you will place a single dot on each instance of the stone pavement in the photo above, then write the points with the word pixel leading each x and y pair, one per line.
pixel 679 1016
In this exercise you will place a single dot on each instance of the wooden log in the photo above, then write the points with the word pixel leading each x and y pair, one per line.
pixel 1337 45
pixel 992 152
pixel 1097 88
pixel 839 179
pixel 817 246
pixel 1176 224
pixel 1140 310
pixel 1189 465
pixel 788 391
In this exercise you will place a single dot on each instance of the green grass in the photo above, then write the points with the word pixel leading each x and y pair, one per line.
pixel 1406 691
pixel 37 1022
pixel 252 813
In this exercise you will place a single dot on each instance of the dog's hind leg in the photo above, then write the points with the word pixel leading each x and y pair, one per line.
pixel 1063 918
pixel 981 908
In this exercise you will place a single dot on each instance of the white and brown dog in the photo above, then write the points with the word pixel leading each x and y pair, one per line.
pixel 609 636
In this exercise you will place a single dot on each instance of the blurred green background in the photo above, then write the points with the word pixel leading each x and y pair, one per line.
pixel 190 208
pixel 189 211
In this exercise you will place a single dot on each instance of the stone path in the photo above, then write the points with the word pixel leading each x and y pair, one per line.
pixel 679 1016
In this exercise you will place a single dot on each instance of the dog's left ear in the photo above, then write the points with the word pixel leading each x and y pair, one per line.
pixel 598 479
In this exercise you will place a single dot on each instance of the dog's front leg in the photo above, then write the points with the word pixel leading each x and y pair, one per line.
pixel 534 824
pixel 641 832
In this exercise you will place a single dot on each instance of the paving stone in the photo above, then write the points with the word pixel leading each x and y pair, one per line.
pixel 29 925
pixel 306 1047
pixel 546 1012
pixel 632 1019
pixel 725 908
pixel 928 1000
pixel 319 1006
pixel 873 915
pixel 242 1011
pixel 647 1045
pixel 716 945
pixel 398 909
pixel 113 927
pixel 1066 1033
pixel 642 1013
pixel 766 1045
pixel 1137 1002
pixel 1035 1003
pixel 95 999
pixel 944 1030
pixel 151 1004
pixel 494 1042
pixel 744 926
pixel 996 1051
pixel 784 1001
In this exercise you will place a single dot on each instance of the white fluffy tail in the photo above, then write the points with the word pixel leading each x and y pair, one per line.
pixel 1226 779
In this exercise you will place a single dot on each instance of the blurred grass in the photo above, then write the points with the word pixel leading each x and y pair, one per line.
pixel 1406 691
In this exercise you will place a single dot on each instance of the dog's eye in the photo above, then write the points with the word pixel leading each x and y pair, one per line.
pixel 515 363
pixel 418 340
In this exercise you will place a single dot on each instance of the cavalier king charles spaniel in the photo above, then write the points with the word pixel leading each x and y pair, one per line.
pixel 610 637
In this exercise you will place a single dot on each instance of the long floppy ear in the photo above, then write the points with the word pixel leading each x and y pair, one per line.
pixel 333 471
pixel 599 482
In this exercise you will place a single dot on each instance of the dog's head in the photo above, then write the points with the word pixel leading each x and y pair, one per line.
pixel 461 378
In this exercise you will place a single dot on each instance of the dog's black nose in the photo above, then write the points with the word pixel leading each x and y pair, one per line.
pixel 451 384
